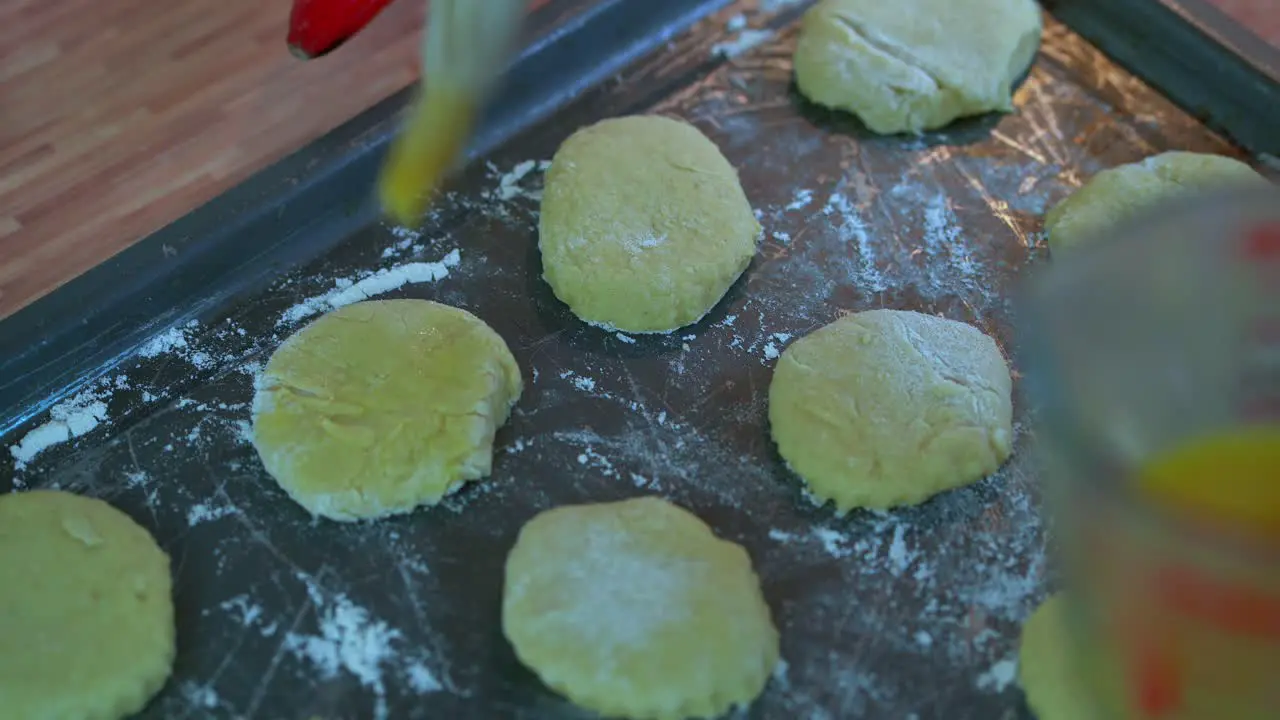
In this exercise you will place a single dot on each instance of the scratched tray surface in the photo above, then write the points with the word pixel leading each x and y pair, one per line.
pixel 913 613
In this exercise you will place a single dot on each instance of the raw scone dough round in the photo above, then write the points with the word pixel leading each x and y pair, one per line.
pixel 915 65
pixel 86 610
pixel 635 609
pixel 644 224
pixel 889 407
pixel 1116 195
pixel 382 406
pixel 1044 665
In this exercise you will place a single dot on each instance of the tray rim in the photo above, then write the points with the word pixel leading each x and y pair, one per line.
pixel 1194 54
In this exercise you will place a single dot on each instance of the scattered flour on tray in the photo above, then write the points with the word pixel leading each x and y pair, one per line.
pixel 999 676
pixel 583 383
pixel 205 512
pixel 174 341
pixel 346 291
pixel 754 333
pixel 247 612
pixel 949 264
pixel 745 37
pixel 509 183
pixel 800 201
pixel 406 243
pixel 174 338
pixel 352 640
pixel 67 420
pixel 200 696
pixel 853 229
pixel 90 409
pixel 745 40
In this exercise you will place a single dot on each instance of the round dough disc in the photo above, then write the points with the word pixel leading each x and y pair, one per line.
pixel 1044 665
pixel 382 406
pixel 889 407
pixel 1116 195
pixel 915 65
pixel 644 225
pixel 635 609
pixel 86 609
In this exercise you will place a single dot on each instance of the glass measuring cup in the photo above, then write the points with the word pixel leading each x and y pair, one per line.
pixel 1160 337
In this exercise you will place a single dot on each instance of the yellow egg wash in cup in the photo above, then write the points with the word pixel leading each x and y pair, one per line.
pixel 1230 480
pixel 1153 357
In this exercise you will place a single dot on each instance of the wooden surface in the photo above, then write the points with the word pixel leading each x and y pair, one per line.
pixel 119 116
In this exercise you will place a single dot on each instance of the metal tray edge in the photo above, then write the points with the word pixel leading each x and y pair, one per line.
pixel 1194 54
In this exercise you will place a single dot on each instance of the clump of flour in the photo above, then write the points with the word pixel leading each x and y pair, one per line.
pixel 346 291
pixel 68 419
pixel 351 640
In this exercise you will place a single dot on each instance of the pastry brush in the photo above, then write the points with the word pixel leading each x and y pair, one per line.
pixel 465 49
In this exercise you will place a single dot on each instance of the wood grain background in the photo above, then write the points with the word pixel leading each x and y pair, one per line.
pixel 119 116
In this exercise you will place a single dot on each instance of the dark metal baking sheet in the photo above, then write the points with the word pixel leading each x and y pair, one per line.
pixel 905 614
pixel 1194 54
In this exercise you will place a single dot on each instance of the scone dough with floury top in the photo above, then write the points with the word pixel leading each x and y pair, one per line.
pixel 644 225
pixel 889 407
pixel 635 609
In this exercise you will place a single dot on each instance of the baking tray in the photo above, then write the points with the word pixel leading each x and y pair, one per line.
pixel 915 613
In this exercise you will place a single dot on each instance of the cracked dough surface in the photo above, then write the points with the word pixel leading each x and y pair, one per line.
pixel 644 225
pixel 915 65
pixel 1116 195
pixel 890 407
pixel 382 406
pixel 634 609
pixel 86 612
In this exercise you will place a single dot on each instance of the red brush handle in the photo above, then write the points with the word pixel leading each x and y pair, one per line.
pixel 318 26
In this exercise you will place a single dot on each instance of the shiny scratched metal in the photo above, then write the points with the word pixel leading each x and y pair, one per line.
pixel 907 614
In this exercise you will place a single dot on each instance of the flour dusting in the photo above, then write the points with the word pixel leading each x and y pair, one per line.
pixel 999 676
pixel 621 593
pixel 638 245
pixel 166 342
pixel 421 679
pixel 581 382
pixel 744 40
pixel 948 258
pixel 200 696
pixel 68 419
pixel 853 230
pixel 510 185
pixel 801 200
pixel 351 641
pixel 203 512
pixel 243 609
pixel 346 291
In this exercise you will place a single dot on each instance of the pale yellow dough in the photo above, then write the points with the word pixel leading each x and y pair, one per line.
pixel 86 610
pixel 914 65
pixel 634 609
pixel 1116 195
pixel 1044 665
pixel 382 406
pixel 889 407
pixel 644 225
